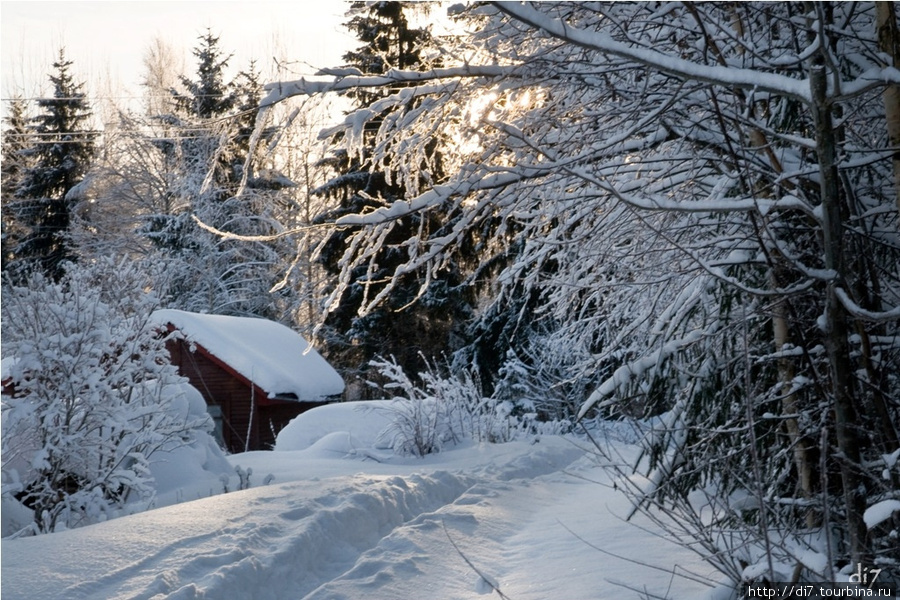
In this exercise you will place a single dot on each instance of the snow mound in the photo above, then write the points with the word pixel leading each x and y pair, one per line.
pixel 880 512
pixel 270 542
pixel 363 421
pixel 338 443
pixel 195 469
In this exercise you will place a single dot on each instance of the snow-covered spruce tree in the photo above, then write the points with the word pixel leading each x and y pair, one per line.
pixel 169 170
pixel 92 393
pixel 413 319
pixel 200 154
pixel 60 153
pixel 703 195
pixel 13 165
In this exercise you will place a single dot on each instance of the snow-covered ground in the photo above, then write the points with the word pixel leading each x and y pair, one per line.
pixel 345 519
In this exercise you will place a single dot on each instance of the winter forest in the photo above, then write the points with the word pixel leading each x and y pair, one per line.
pixel 680 218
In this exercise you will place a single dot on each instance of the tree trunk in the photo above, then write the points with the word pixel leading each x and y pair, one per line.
pixel 889 43
pixel 790 406
pixel 836 326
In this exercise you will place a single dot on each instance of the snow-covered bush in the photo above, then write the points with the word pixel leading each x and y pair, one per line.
pixel 444 410
pixel 94 394
pixel 420 423
pixel 550 374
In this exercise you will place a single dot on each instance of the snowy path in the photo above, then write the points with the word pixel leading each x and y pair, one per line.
pixel 377 531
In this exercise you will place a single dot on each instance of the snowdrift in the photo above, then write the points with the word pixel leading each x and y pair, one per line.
pixel 355 522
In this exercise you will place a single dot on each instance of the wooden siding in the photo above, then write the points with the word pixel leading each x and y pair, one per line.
pixel 238 400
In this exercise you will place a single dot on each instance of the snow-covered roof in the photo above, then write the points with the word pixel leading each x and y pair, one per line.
pixel 278 360
pixel 6 365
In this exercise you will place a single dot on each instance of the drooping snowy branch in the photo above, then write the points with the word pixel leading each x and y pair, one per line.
pixel 640 187
pixel 666 63
pixel 302 87
pixel 883 316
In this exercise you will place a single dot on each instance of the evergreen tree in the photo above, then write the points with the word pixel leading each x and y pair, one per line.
pixel 204 147
pixel 13 165
pixel 247 93
pixel 209 96
pixel 413 321
pixel 60 154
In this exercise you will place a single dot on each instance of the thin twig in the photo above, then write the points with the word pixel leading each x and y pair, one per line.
pixel 644 592
pixel 484 577
pixel 686 574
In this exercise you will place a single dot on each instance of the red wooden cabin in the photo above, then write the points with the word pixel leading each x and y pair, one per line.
pixel 255 375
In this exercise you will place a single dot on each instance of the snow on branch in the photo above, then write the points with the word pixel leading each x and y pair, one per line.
pixel 867 315
pixel 685 69
pixel 625 374
pixel 433 197
pixel 282 90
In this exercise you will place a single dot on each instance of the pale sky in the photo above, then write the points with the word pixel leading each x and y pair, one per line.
pixel 107 40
